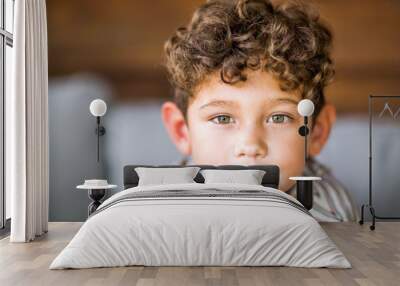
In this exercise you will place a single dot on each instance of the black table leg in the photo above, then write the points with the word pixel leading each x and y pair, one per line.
pixel 305 193
pixel 96 195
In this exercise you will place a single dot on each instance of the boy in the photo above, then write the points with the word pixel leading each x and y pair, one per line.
pixel 239 69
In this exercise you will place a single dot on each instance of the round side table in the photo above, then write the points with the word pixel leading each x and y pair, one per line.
pixel 304 190
pixel 96 194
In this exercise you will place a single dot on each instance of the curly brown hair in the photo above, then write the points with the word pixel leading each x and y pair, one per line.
pixel 229 37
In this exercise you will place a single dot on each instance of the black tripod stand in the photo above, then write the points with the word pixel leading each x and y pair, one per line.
pixel 369 205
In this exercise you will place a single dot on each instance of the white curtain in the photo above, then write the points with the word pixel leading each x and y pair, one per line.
pixel 27 144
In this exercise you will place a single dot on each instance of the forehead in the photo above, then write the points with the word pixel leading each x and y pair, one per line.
pixel 259 88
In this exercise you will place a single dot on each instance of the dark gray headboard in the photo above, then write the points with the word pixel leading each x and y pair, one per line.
pixel 270 179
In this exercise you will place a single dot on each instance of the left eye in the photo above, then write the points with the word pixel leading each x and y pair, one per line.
pixel 222 119
pixel 279 118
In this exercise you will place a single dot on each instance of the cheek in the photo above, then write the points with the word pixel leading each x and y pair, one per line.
pixel 209 144
pixel 286 145
pixel 287 151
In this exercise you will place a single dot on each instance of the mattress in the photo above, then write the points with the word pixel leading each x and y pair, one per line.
pixel 197 224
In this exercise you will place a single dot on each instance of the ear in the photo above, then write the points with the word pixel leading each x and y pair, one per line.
pixel 322 128
pixel 176 126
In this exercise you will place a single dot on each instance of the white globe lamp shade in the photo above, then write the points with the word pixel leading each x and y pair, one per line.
pixel 98 107
pixel 305 107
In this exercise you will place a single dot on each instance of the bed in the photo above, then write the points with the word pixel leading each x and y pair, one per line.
pixel 201 223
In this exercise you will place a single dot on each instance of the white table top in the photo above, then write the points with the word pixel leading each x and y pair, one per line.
pixel 86 187
pixel 306 178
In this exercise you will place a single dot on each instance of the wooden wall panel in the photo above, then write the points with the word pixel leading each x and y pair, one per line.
pixel 123 41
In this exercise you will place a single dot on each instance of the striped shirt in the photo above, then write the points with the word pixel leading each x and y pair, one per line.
pixel 331 201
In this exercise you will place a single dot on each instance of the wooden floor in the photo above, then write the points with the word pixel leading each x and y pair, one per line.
pixel 374 255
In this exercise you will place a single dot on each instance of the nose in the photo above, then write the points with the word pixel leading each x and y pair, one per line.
pixel 251 144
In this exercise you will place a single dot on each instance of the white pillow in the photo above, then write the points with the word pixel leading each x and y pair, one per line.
pixel 161 176
pixel 249 177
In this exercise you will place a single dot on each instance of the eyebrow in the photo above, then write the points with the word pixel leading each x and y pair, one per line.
pixel 288 100
pixel 225 103
pixel 220 103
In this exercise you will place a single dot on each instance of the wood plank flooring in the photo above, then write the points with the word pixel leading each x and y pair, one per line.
pixel 374 255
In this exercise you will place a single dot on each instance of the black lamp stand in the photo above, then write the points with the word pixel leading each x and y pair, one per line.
pixel 303 131
pixel 100 131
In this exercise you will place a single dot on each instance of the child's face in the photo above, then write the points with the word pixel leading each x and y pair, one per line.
pixel 252 122
pixel 249 123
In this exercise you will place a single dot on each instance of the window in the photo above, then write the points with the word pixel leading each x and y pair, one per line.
pixel 6 62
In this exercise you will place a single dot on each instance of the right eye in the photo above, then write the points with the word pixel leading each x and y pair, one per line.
pixel 222 119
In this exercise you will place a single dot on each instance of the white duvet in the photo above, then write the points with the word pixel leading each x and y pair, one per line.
pixel 183 231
